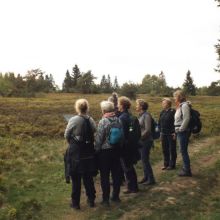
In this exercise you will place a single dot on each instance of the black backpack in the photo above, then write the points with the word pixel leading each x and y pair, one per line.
pixel 134 131
pixel 195 123
pixel 86 141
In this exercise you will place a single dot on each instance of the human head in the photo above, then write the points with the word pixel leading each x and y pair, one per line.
pixel 141 105
pixel 106 107
pixel 166 103
pixel 82 106
pixel 124 103
pixel 113 98
pixel 179 96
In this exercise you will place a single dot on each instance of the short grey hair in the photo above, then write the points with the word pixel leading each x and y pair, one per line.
pixel 107 106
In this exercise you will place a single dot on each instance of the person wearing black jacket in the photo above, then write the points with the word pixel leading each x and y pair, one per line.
pixel 130 153
pixel 168 137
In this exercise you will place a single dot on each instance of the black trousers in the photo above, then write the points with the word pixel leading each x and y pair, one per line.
pixel 109 163
pixel 76 187
pixel 130 174
pixel 169 150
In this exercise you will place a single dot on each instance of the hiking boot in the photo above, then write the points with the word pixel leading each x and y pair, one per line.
pixel 105 203
pixel 184 172
pixel 130 191
pixel 148 183
pixel 115 199
pixel 142 181
pixel 91 203
pixel 164 168
pixel 170 168
pixel 75 206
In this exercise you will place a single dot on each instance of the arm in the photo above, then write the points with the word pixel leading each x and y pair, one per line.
pixel 147 126
pixel 69 128
pixel 100 136
pixel 186 117
pixel 93 124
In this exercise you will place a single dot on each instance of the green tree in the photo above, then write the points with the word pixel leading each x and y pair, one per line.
pixel 75 75
pixel 129 90
pixel 103 83
pixel 214 89
pixel 6 87
pixel 67 83
pixel 188 86
pixel 162 87
pixel 115 84
pixel 86 82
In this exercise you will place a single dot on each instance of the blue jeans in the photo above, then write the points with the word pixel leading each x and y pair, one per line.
pixel 183 139
pixel 145 157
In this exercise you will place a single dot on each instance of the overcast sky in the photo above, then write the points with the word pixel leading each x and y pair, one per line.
pixel 127 38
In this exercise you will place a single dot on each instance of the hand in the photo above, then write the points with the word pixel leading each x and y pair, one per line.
pixel 174 136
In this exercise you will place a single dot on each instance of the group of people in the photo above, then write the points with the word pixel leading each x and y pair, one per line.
pixel 90 149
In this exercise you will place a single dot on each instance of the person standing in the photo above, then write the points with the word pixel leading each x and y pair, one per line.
pixel 108 154
pixel 79 134
pixel 167 134
pixel 146 141
pixel 129 154
pixel 182 119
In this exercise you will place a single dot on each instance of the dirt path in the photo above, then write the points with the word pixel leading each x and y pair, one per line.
pixel 170 187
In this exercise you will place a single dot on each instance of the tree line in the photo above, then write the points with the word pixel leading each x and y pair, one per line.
pixel 36 81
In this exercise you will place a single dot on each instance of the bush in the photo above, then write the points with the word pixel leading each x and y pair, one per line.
pixel 129 90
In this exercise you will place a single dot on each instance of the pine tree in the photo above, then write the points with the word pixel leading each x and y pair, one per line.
pixel 76 74
pixel 86 82
pixel 103 83
pixel 115 85
pixel 67 83
pixel 188 85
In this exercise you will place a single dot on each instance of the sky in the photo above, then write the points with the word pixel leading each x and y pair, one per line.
pixel 123 38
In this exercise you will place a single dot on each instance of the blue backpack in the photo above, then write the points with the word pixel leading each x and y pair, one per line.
pixel 115 133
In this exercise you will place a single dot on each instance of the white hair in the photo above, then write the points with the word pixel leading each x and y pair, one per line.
pixel 107 106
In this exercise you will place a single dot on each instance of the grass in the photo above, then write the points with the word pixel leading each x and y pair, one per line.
pixel 32 182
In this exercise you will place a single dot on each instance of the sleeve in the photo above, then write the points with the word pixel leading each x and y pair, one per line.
pixel 186 117
pixel 100 136
pixel 93 124
pixel 69 127
pixel 147 126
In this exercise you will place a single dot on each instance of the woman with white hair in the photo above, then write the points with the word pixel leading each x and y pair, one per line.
pixel 108 153
pixel 80 155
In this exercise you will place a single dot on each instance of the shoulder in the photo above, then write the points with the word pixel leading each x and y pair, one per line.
pixel 74 119
pixel 185 106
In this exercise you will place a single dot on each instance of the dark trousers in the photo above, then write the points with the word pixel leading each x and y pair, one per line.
pixel 109 163
pixel 183 139
pixel 145 157
pixel 169 150
pixel 76 187
pixel 130 174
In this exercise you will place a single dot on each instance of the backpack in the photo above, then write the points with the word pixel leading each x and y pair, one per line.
pixel 155 131
pixel 134 131
pixel 115 133
pixel 87 136
pixel 195 123
pixel 84 147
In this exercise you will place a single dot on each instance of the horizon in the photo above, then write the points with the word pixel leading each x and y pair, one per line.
pixel 127 39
